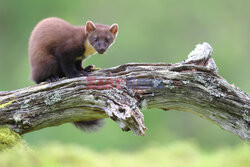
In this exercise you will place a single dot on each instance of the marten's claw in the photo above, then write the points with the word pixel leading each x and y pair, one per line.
pixel 96 68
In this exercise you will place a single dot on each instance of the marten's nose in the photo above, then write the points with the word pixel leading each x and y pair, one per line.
pixel 102 47
pixel 101 51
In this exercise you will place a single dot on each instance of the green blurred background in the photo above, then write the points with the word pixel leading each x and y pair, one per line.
pixel 149 31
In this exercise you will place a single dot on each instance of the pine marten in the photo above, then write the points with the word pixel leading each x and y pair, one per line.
pixel 57 49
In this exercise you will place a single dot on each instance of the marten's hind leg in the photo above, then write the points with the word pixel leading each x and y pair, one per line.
pixel 46 69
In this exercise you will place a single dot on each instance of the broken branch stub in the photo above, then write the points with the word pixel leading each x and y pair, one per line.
pixel 120 92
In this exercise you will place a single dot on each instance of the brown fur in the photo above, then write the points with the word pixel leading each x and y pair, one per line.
pixel 55 47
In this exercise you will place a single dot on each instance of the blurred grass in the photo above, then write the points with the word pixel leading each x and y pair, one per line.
pixel 177 154
pixel 149 31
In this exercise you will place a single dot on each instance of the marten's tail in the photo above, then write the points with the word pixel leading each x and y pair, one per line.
pixel 88 126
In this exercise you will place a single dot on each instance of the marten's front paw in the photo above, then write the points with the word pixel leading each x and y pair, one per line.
pixel 84 73
pixel 77 74
pixel 89 68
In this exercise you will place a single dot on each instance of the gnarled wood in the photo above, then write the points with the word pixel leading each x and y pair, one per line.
pixel 120 92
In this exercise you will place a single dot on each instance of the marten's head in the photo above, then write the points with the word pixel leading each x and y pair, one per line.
pixel 100 36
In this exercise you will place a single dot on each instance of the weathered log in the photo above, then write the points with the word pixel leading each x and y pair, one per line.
pixel 120 92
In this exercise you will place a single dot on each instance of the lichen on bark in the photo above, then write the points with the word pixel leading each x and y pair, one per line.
pixel 8 138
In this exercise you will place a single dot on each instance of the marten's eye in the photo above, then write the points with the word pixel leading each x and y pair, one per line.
pixel 95 39
pixel 107 40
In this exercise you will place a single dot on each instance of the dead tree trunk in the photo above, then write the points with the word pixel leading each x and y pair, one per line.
pixel 120 92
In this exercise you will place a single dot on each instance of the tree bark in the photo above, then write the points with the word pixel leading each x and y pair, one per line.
pixel 120 92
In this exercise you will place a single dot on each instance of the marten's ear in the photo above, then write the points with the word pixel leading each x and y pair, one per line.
pixel 90 26
pixel 114 28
